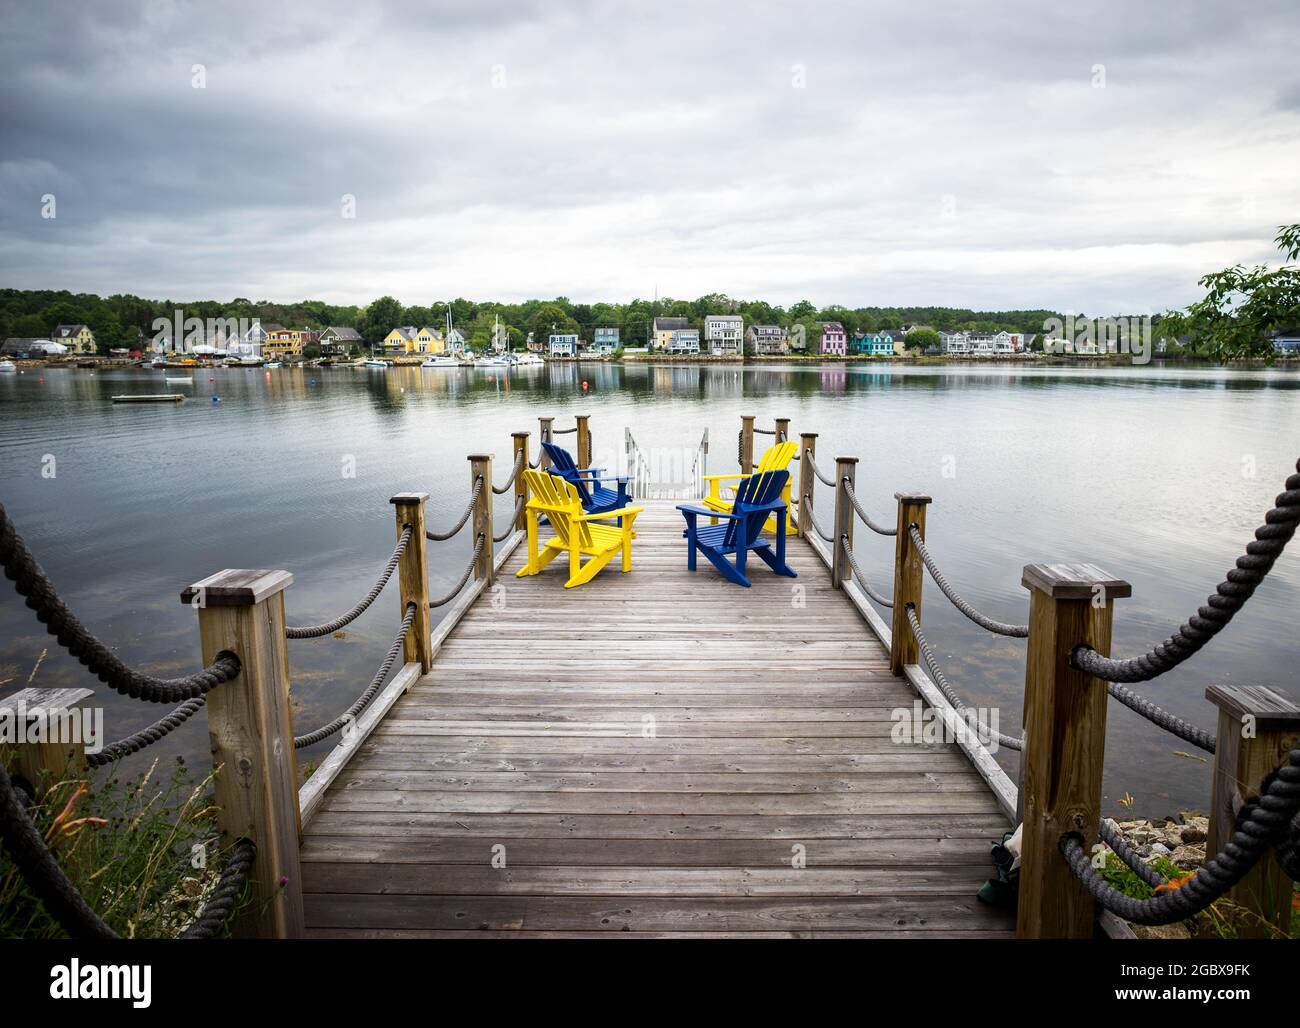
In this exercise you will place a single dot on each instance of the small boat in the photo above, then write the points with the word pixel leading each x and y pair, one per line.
pixel 273 364
pixel 8 367
pixel 500 360
pixel 376 362
pixel 529 360
pixel 173 380
pixel 440 360
pixel 149 398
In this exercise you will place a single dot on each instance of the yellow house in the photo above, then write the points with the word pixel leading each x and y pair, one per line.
pixel 409 339
pixel 77 338
pixel 281 342
pixel 663 332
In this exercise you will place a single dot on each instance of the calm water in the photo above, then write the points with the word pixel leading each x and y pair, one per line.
pixel 1144 471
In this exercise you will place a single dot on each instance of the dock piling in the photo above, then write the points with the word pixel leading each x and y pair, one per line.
pixel 413 578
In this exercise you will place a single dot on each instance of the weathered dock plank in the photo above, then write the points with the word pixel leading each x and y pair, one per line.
pixel 657 754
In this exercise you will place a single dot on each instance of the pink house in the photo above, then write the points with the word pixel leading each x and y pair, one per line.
pixel 834 338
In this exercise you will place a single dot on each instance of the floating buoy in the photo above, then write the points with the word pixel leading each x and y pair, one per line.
pixel 584 385
pixel 211 379
pixel 216 399
pixel 41 380
pixel 313 381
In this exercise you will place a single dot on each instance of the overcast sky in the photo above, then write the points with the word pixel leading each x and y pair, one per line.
pixel 1092 157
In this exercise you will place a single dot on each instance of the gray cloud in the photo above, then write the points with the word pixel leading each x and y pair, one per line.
pixel 864 154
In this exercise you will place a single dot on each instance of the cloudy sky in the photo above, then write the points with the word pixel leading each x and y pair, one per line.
pixel 1092 157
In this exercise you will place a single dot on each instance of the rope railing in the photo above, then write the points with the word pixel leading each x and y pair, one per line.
pixel 160 729
pixel 1271 822
pixel 514 519
pixel 1162 718
pixel 1229 597
pixel 861 513
pixel 862 579
pixel 812 518
pixel 812 463
pixel 564 431
pixel 1010 742
pixel 514 474
pixel 32 584
pixel 330 627
pixel 225 894
pixel 469 570
pixel 440 537
pixel 983 620
pixel 376 683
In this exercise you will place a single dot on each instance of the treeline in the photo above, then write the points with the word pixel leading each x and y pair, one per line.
pixel 126 320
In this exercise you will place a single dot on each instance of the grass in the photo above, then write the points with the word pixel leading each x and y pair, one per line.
pixel 141 851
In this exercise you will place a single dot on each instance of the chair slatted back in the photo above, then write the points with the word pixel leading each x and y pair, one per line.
pixel 558 500
pixel 758 490
pixel 563 464
pixel 778 457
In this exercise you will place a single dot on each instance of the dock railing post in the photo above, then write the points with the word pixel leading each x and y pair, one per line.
pixel 1065 743
pixel 1257 728
pixel 480 464
pixel 413 579
pixel 807 481
pixel 746 444
pixel 584 441
pixel 845 468
pixel 521 484
pixel 250 729
pixel 546 435
pixel 909 574
pixel 45 763
pixel 782 429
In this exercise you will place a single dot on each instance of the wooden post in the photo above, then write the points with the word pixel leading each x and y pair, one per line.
pixel 807 481
pixel 1257 728
pixel 52 716
pixel 413 578
pixel 746 444
pixel 845 467
pixel 1065 742
pixel 782 429
pixel 250 729
pixel 481 520
pixel 584 442
pixel 546 434
pixel 909 574
pixel 521 484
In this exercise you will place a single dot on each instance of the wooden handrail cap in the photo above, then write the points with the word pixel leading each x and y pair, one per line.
pixel 914 497
pixel 479 456
pixel 521 435
pixel 808 435
pixel 1269 708
pixel 236 587
pixel 846 460
pixel 1073 581
pixel 408 498
pixel 41 701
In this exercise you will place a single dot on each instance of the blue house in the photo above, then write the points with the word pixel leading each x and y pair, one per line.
pixel 605 340
pixel 879 344
pixel 1287 344
pixel 563 344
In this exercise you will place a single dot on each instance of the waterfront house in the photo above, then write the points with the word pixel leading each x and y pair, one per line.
pixel 1287 344
pixel 454 343
pixel 685 340
pixel 957 343
pixel 661 334
pixel 604 340
pixel 25 347
pixel 834 339
pixel 724 333
pixel 885 343
pixel 409 339
pixel 77 338
pixel 563 344
pixel 281 342
pixel 767 339
pixel 339 340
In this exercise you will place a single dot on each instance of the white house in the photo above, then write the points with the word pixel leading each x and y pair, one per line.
pixel 724 334
pixel 455 341
pixel 769 339
pixel 685 340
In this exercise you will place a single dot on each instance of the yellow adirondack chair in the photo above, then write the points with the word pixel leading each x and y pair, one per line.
pixel 775 458
pixel 575 530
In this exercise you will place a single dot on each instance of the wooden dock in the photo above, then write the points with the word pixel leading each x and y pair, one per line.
pixel 653 754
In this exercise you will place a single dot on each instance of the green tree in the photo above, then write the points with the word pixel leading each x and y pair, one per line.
pixel 380 318
pixel 922 339
pixel 1244 307
pixel 548 318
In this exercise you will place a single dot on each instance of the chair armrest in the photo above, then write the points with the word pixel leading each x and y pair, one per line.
pixel 630 512
pixel 721 478
pixel 587 471
pixel 704 512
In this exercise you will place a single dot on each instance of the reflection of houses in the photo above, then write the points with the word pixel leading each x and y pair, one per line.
pixel 684 340
pixel 1287 344
pixel 663 330
pixel 724 333
pixel 604 340
pixel 834 339
pixel 767 339
pixel 339 340
pixel 563 344
pixel 77 338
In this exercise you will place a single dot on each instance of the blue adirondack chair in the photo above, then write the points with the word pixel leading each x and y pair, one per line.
pixel 595 499
pixel 757 498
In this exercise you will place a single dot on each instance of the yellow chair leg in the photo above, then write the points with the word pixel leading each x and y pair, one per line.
pixel 588 571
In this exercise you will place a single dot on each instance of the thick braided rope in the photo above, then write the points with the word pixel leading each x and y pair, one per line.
pixel 161 728
pixel 1229 597
pixel 440 537
pixel 866 518
pixel 376 683
pixel 1010 742
pixel 985 622
pixel 330 627
pixel 812 517
pixel 225 894
pixel 514 519
pixel 41 871
pixel 564 431
pixel 812 463
pixel 862 579
pixel 1171 723
pixel 30 582
pixel 514 473
pixel 1260 826
pixel 1111 837
pixel 469 570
